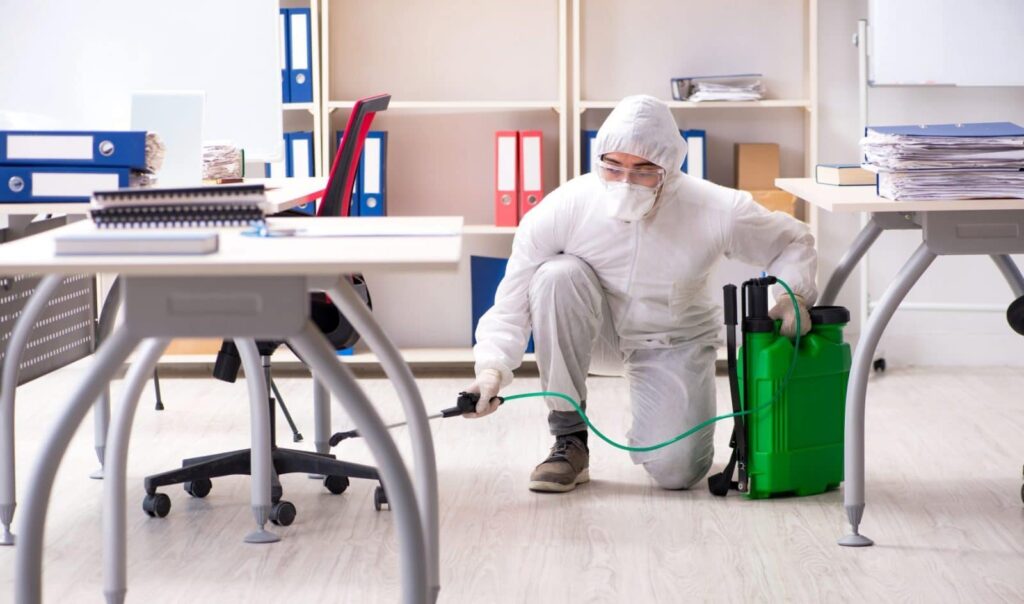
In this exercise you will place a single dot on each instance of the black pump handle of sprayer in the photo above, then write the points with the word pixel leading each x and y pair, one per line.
pixel 466 403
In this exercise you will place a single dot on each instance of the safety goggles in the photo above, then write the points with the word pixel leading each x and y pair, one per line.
pixel 647 177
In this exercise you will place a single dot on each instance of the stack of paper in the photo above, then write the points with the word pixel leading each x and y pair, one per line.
pixel 947 161
pixel 726 91
pixel 951 184
pixel 222 160
pixel 732 87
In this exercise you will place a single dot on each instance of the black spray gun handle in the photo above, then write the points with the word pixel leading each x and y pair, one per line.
pixel 466 403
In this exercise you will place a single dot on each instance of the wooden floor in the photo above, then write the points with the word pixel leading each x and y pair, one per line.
pixel 945 451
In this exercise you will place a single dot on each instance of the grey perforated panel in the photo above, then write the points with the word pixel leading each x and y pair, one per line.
pixel 64 333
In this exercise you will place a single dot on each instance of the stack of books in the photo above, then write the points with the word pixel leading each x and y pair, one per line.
pixel 213 206
pixel 164 221
pixel 946 161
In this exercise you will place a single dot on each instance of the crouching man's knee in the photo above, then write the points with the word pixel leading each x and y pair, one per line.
pixel 679 470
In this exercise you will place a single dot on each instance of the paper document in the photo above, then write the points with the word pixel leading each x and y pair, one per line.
pixel 357 227
pixel 719 91
pixel 900 152
pixel 919 185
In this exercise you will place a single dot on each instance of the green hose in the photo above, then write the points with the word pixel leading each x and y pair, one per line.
pixel 698 427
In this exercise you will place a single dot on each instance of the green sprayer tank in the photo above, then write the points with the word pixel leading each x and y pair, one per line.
pixel 792 443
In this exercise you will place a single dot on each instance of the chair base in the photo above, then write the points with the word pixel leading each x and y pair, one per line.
pixel 234 463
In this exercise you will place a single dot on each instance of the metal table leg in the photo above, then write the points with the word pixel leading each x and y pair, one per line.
pixel 115 556
pixel 261 464
pixel 321 421
pixel 1010 272
pixel 28 560
pixel 321 417
pixel 425 467
pixel 101 411
pixel 860 246
pixel 311 346
pixel 8 384
pixel 856 392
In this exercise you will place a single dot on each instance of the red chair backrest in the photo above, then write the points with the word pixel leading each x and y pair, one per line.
pixel 337 199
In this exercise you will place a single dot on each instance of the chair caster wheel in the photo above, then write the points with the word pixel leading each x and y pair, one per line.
pixel 156 505
pixel 336 484
pixel 380 498
pixel 198 488
pixel 282 513
pixel 276 492
pixel 879 365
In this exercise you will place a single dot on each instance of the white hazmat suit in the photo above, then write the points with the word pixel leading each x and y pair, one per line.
pixel 631 297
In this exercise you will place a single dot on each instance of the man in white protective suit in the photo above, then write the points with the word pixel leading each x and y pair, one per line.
pixel 610 272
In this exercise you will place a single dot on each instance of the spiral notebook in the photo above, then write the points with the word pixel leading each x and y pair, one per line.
pixel 232 205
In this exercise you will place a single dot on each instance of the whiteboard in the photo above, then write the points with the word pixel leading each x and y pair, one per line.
pixel 73 64
pixel 951 42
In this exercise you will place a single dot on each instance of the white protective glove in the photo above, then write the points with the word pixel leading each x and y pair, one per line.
pixel 783 309
pixel 486 385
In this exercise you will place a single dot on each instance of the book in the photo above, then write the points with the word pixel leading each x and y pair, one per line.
pixel 843 175
pixel 136 243
pixel 233 205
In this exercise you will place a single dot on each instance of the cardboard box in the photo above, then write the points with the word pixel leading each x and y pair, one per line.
pixel 776 200
pixel 757 166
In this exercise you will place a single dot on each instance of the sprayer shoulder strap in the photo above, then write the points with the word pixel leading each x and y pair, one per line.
pixel 720 484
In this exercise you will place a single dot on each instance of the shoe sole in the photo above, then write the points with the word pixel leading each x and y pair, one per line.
pixel 543 486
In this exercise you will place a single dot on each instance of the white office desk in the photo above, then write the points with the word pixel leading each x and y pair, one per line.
pixel 429 243
pixel 254 288
pixel 991 227
pixel 281 195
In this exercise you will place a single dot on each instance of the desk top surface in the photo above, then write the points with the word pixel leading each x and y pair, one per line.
pixel 334 246
pixel 863 199
pixel 282 194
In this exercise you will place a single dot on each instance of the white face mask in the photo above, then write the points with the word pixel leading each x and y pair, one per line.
pixel 629 202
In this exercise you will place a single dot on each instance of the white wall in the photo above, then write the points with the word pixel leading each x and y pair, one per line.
pixel 913 337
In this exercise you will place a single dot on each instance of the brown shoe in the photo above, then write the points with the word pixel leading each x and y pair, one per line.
pixel 567 465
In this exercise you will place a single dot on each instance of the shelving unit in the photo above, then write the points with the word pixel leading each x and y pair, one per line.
pixel 763 104
pixel 310 107
pixel 294 114
pixel 708 27
pixel 540 21
pixel 458 105
pixel 285 359
pixel 458 70
pixel 777 39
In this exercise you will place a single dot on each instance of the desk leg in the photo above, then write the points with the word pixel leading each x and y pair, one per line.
pixel 115 533
pixel 8 384
pixel 101 411
pixel 312 347
pixel 856 392
pixel 28 561
pixel 1010 272
pixel 261 465
pixel 321 420
pixel 860 246
pixel 353 308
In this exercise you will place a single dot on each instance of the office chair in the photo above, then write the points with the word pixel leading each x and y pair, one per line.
pixel 196 473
